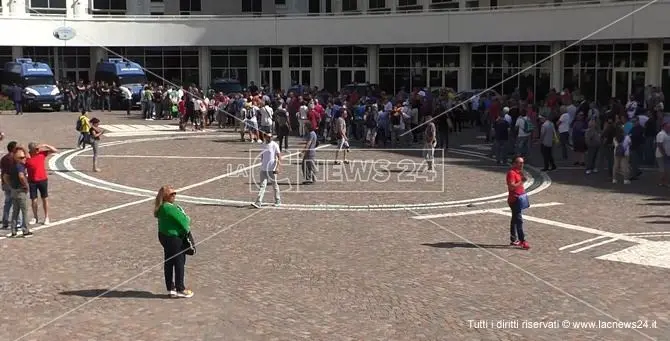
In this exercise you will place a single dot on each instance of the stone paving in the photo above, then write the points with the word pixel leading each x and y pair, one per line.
pixel 300 272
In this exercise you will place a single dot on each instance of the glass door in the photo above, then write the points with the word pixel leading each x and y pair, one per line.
pixel 301 76
pixel 352 75
pixel 442 78
pixel 75 75
pixel 629 82
pixel 271 78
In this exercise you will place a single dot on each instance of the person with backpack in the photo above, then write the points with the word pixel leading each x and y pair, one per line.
pixel 371 121
pixel 621 166
pixel 282 127
pixel 525 129
pixel 83 126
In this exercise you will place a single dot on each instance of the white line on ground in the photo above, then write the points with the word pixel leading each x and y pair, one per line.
pixel 647 233
pixel 136 202
pixel 580 243
pixel 576 228
pixel 594 245
pixel 464 213
pixel 168 157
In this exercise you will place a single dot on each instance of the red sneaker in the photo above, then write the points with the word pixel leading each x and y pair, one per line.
pixel 525 245
pixel 516 243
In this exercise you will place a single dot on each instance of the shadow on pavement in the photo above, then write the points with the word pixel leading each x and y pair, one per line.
pixel 91 293
pixel 454 245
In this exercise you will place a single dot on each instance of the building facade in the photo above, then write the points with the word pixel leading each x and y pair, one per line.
pixel 462 44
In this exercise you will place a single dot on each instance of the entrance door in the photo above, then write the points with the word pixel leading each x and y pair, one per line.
pixel 629 82
pixel 443 78
pixel 74 75
pixel 271 78
pixel 301 77
pixel 352 75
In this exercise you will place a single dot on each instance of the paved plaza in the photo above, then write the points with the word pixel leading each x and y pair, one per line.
pixel 374 250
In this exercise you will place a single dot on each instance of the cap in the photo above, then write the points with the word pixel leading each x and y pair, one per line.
pixel 506 109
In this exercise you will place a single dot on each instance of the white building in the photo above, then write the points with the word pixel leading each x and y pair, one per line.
pixel 463 44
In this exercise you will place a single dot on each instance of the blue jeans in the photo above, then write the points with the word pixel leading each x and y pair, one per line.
pixel 500 150
pixel 516 223
pixel 522 146
pixel 7 207
pixel 565 142
pixel 18 106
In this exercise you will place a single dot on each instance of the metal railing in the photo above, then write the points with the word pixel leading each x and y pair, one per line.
pixel 409 10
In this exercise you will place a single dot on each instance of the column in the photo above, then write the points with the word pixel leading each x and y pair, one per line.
pixel 17 52
pixel 58 73
pixel 654 62
pixel 373 67
pixel 393 5
pixel 337 6
pixel 557 66
pixel 363 6
pixel 426 5
pixel 16 8
pixel 205 66
pixel 97 54
pixel 462 5
pixel 317 66
pixel 5 9
pixel 285 71
pixel 253 71
pixel 76 8
pixel 465 67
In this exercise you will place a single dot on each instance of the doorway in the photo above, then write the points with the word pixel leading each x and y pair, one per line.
pixel 439 78
pixel 301 76
pixel 74 75
pixel 348 76
pixel 629 82
pixel 271 78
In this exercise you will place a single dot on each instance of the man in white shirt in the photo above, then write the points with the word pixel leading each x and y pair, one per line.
pixel 270 165
pixel 266 118
pixel 663 153
pixel 302 119
pixel 564 131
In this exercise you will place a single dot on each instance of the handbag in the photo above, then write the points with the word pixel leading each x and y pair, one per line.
pixel 524 203
pixel 188 245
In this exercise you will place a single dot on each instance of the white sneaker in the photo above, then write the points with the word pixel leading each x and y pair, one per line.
pixel 172 293
pixel 46 221
pixel 626 182
pixel 184 294
pixel 613 181
pixel 33 221
pixel 588 171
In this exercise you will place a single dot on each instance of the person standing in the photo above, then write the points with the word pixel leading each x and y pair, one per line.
pixel 593 142
pixel 309 156
pixel 282 127
pixel 83 127
pixel 517 201
pixel 18 179
pixel 17 98
pixel 547 137
pixel 501 128
pixel 342 140
pixel 663 154
pixel 621 166
pixel 430 135
pixel 270 166
pixel 95 132
pixel 37 178
pixel 6 164
pixel 173 228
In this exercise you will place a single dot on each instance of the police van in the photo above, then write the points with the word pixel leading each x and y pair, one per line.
pixel 39 89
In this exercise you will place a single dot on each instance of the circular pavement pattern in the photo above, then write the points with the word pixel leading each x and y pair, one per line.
pixel 63 163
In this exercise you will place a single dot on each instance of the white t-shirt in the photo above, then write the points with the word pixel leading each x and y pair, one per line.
pixel 572 111
pixel 508 118
pixel 663 138
pixel 303 112
pixel 266 115
pixel 520 125
pixel 626 145
pixel 564 123
pixel 269 156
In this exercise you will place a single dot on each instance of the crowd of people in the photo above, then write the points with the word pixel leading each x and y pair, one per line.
pixel 24 176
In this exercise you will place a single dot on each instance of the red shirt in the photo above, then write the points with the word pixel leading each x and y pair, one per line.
pixel 313 119
pixel 494 111
pixel 514 175
pixel 36 169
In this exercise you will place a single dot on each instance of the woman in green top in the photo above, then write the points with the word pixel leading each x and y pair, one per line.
pixel 173 225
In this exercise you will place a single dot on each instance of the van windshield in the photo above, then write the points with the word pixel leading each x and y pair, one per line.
pixel 38 80
pixel 132 79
